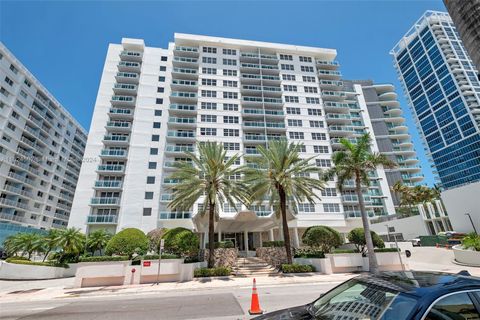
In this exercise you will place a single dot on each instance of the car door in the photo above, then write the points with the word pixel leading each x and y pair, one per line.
pixel 463 305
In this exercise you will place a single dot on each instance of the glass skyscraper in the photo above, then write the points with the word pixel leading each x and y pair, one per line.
pixel 441 85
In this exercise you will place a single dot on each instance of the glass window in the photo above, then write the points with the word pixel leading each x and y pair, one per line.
pixel 456 307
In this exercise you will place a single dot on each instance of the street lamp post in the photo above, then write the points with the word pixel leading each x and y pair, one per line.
pixel 471 221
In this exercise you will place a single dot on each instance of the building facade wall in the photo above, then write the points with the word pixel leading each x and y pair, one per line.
pixel 41 151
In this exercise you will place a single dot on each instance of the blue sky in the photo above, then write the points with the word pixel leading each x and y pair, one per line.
pixel 64 43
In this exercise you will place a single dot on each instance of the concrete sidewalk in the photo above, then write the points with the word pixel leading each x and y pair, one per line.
pixel 35 292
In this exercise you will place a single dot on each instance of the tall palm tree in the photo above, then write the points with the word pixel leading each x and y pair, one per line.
pixel 285 179
pixel 71 240
pixel 50 242
pixel 406 194
pixel 355 162
pixel 210 175
pixel 97 240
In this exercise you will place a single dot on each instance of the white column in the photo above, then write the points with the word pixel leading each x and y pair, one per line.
pixel 270 235
pixel 280 233
pixel 296 240
pixel 205 239
pixel 260 234
pixel 245 240
pixel 219 231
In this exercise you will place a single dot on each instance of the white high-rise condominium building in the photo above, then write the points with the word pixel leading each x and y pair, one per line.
pixel 41 150
pixel 443 90
pixel 154 104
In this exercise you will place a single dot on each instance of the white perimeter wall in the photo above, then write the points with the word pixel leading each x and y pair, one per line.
pixel 461 200
pixel 410 227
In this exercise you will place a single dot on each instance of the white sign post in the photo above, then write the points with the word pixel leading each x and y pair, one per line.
pixel 162 244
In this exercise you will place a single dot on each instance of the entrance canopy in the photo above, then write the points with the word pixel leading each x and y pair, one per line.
pixel 241 221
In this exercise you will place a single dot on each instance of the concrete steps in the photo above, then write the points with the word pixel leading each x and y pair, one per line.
pixel 253 267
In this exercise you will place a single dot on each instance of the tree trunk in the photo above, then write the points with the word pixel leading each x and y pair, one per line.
pixel 286 234
pixel 372 258
pixel 211 236
pixel 46 255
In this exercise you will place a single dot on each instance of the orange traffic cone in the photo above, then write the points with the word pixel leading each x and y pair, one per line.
pixel 255 305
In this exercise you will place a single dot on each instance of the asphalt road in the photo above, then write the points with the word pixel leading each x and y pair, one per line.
pixel 218 304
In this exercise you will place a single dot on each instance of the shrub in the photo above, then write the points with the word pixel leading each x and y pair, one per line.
pixel 127 242
pixel 297 268
pixel 387 250
pixel 212 272
pixel 308 253
pixel 44 264
pixel 338 251
pixel 472 241
pixel 357 237
pixel 322 237
pixel 222 245
pixel 103 258
pixel 164 256
pixel 154 239
pixel 276 244
pixel 181 242
pixel 17 258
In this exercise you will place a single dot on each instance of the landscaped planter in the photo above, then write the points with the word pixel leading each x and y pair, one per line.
pixel 224 257
pixel 321 265
pixel 105 273
pixel 346 262
pixel 171 270
pixel 274 256
pixel 466 257
pixel 389 261
pixel 14 271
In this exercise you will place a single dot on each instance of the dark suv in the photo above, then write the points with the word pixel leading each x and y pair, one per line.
pixel 410 295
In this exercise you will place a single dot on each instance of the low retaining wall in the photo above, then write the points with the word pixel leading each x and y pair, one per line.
pixel 466 257
pixel 274 256
pixel 13 271
pixel 353 262
pixel 224 257
pixel 116 273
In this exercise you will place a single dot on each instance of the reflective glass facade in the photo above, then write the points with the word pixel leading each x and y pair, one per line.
pixel 440 82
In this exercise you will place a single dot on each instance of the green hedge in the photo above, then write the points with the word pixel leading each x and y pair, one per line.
pixel 43 264
pixel 297 268
pixel 212 272
pixel 308 253
pixel 222 245
pixel 127 242
pixel 344 251
pixel 103 258
pixel 277 243
pixel 164 256
pixel 386 250
pixel 16 258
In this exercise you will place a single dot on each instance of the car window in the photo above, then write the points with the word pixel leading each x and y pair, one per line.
pixel 362 300
pixel 457 306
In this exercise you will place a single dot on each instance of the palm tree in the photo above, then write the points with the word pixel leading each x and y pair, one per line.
pixel 355 162
pixel 283 177
pixel 71 240
pixel 97 240
pixel 25 242
pixel 50 242
pixel 406 194
pixel 210 175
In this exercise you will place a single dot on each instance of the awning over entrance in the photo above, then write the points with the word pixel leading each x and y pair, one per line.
pixel 241 221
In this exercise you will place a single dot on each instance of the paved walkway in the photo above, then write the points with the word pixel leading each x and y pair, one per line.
pixel 437 259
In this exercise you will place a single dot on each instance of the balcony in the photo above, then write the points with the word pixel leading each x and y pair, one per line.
pixel 336 107
pixel 13 203
pixel 113 153
pixel 116 139
pixel 186 51
pixel 175 215
pixel 185 61
pixel 105 201
pixel 123 101
pixel 257 78
pixel 169 181
pixel 129 55
pixel 262 112
pixel 180 135
pixel 129 66
pixel 111 168
pixel 249 100
pixel 185 73
pixel 180 96
pixel 124 88
pixel 120 113
pixel 119 126
pixel 190 85
pixel 261 90
pixel 331 75
pixel 182 108
pixel 102 219
pixel 166 197
pixel 18 191
pixel 108 184
pixel 252 138
pixel 333 95
pixel 354 198
pixel 338 118
pixel 179 149
pixel 11 217
pixel 21 178
pixel 127 77
pixel 182 122
pixel 327 64
pixel 330 84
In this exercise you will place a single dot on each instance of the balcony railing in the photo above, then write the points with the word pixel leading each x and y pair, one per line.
pixel 105 201
pixel 183 107
pixel 111 168
pixel 180 134
pixel 113 184
pixel 175 215
pixel 113 153
pixel 102 219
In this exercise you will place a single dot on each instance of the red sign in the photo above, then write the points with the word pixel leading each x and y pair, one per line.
pixel 147 263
